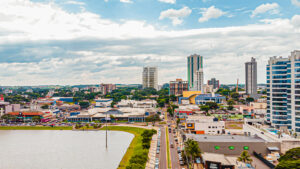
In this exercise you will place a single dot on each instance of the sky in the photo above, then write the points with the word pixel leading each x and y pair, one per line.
pixel 68 42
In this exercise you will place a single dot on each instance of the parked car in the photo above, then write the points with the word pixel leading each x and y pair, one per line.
pixel 171 145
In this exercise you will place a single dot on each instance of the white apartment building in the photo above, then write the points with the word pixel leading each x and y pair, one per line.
pixel 283 92
pixel 150 77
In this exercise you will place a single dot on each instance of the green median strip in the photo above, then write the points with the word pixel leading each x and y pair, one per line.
pixel 168 148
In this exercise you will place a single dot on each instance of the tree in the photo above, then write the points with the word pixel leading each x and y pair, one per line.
pixel 212 105
pixel 249 99
pixel 245 157
pixel 235 96
pixel 205 108
pixel 177 122
pixel 36 118
pixel 230 102
pixel 45 106
pixel 291 159
pixel 230 107
pixel 192 150
pixel 84 105
pixel 153 118
pixel 8 117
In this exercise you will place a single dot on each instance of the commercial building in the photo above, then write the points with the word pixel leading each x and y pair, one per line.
pixel 107 88
pixel 150 77
pixel 195 97
pixel 205 125
pixel 232 144
pixel 195 72
pixel 148 103
pixel 177 87
pixel 103 102
pixel 214 82
pixel 283 92
pixel 251 77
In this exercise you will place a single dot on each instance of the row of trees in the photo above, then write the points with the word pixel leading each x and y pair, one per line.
pixel 12 118
pixel 138 161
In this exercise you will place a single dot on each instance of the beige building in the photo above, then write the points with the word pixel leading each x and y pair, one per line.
pixel 150 77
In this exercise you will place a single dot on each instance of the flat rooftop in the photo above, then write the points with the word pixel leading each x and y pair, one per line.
pixel 224 138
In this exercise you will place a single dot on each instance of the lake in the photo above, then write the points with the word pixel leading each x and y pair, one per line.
pixel 61 149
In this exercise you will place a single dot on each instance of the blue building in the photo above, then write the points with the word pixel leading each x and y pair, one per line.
pixel 283 92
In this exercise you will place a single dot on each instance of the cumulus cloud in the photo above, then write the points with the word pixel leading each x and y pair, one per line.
pixel 296 21
pixel 271 8
pixel 126 1
pixel 176 15
pixel 75 3
pixel 295 2
pixel 210 13
pixel 54 46
pixel 168 1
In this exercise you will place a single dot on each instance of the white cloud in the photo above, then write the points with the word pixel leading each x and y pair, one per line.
pixel 296 21
pixel 295 2
pixel 271 8
pixel 126 1
pixel 210 13
pixel 75 3
pixel 60 47
pixel 176 15
pixel 168 1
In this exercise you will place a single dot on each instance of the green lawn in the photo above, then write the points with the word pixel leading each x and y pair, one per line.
pixel 135 146
pixel 35 128
pixel 168 148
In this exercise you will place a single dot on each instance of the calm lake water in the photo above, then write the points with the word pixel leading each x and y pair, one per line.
pixel 61 149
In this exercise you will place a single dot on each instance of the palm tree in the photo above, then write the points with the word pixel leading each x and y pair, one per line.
pixel 192 150
pixel 245 157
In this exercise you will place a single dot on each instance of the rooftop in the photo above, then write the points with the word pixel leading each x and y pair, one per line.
pixel 224 138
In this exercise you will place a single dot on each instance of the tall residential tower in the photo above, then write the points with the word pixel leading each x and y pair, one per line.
pixel 195 72
pixel 150 77
pixel 251 77
pixel 283 91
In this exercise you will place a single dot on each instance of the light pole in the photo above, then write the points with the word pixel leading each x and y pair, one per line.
pixel 106 132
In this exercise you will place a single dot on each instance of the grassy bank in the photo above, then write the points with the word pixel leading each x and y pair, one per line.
pixel 135 147
pixel 168 148
pixel 35 128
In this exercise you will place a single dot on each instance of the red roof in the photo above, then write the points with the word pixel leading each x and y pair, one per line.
pixel 26 113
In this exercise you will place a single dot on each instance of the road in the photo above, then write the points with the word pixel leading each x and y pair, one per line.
pixel 174 154
pixel 163 150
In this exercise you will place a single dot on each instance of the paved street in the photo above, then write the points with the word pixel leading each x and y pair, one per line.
pixel 162 155
pixel 174 154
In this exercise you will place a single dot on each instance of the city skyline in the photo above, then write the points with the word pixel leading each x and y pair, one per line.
pixel 69 42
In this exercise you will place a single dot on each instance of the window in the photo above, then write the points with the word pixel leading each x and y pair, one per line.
pixel 231 147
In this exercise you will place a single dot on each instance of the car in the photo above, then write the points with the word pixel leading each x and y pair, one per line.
pixel 171 145
pixel 157 161
pixel 197 159
pixel 156 166
pixel 181 162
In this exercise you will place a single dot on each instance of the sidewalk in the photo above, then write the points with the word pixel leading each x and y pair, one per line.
pixel 152 151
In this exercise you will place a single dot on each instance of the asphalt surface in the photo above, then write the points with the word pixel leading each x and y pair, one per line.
pixel 174 154
pixel 163 150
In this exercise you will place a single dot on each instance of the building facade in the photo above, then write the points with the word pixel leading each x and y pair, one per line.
pixel 107 88
pixel 177 87
pixel 251 77
pixel 150 77
pixel 214 82
pixel 283 92
pixel 195 72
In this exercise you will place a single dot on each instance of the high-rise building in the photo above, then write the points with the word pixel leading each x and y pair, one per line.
pixel 195 72
pixel 177 87
pixel 214 82
pixel 283 91
pixel 150 77
pixel 251 77
pixel 107 88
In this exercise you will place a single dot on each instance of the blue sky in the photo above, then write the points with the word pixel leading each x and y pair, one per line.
pixel 93 41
